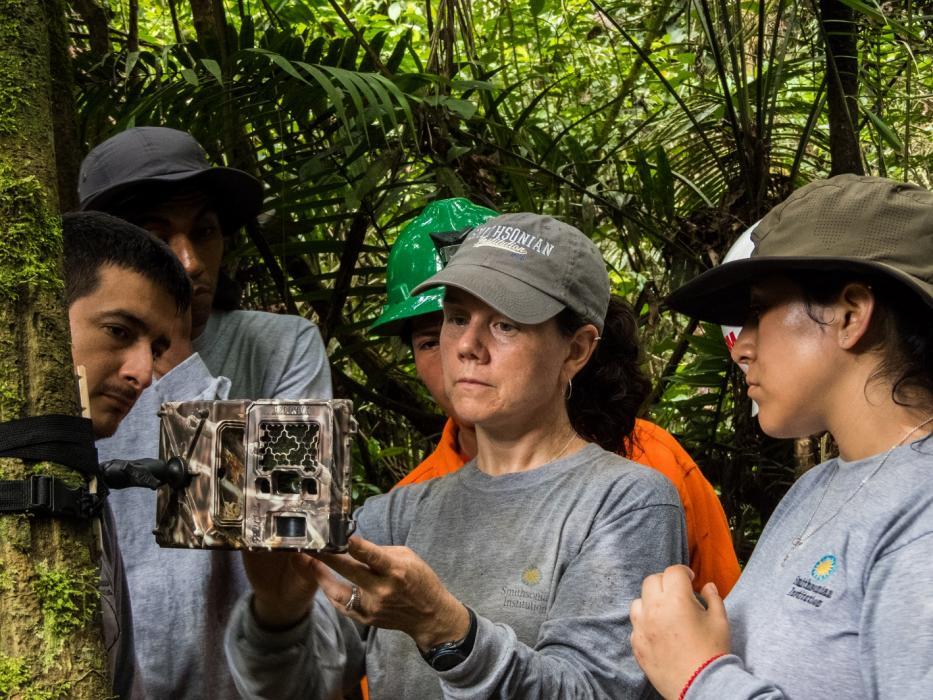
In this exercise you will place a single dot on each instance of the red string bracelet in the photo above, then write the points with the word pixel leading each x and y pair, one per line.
pixel 683 693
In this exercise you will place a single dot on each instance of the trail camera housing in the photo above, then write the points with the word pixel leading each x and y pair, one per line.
pixel 261 475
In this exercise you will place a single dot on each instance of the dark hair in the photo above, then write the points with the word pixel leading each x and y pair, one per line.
pixel 93 239
pixel 608 392
pixel 901 329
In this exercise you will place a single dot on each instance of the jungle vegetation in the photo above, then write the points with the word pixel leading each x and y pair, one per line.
pixel 662 129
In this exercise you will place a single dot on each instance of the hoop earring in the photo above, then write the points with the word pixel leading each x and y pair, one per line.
pixel 569 392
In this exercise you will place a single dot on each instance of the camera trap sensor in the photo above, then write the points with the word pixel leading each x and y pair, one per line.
pixel 260 475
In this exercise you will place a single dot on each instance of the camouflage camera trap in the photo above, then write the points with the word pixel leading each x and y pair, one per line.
pixel 260 475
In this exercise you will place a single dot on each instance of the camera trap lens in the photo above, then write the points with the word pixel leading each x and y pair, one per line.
pixel 289 526
pixel 286 482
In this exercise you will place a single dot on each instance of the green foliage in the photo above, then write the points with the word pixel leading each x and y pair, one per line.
pixel 68 600
pixel 13 675
pixel 30 241
pixel 17 680
pixel 661 129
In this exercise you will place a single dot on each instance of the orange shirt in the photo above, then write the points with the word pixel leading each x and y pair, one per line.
pixel 709 541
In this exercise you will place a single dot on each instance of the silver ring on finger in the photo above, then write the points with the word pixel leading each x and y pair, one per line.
pixel 354 598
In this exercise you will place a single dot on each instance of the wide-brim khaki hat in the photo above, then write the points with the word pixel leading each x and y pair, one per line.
pixel 864 225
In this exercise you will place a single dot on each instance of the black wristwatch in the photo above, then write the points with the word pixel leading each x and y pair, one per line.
pixel 445 656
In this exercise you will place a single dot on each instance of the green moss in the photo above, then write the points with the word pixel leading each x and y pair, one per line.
pixel 68 600
pixel 18 680
pixel 15 531
pixel 54 692
pixel 30 240
pixel 10 394
pixel 68 476
pixel 14 674
pixel 6 580
pixel 14 64
pixel 13 96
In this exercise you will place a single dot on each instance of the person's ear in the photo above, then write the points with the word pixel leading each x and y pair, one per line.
pixel 855 308
pixel 581 348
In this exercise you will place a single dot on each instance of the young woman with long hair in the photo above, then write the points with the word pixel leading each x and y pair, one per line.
pixel 837 306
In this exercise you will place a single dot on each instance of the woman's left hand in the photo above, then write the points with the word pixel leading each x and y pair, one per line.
pixel 396 590
pixel 672 633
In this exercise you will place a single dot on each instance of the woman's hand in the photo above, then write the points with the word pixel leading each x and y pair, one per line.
pixel 673 634
pixel 396 590
pixel 283 586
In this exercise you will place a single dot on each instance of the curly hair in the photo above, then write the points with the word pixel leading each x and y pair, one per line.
pixel 609 391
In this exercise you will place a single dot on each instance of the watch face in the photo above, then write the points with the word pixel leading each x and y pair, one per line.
pixel 447 659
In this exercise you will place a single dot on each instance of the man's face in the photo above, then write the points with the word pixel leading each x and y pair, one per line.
pixel 191 228
pixel 116 332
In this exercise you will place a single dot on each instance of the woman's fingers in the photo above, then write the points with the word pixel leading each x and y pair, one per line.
pixel 635 612
pixel 652 585
pixel 338 592
pixel 370 554
pixel 349 568
pixel 283 586
pixel 678 579
pixel 714 602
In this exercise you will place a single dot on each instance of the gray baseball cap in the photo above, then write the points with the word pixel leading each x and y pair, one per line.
pixel 529 267
pixel 152 155
pixel 848 223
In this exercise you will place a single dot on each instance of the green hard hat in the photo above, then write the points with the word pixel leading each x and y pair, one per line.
pixel 414 258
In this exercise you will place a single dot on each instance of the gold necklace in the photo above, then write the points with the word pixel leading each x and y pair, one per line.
pixel 804 535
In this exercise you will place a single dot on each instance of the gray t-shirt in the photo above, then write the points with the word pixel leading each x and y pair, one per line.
pixel 849 614
pixel 549 559
pixel 182 599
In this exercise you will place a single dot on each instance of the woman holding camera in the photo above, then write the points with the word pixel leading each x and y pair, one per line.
pixel 511 577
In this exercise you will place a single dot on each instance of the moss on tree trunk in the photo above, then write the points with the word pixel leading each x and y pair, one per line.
pixel 50 641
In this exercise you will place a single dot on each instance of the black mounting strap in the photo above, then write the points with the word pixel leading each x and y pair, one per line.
pixel 65 440
pixel 48 496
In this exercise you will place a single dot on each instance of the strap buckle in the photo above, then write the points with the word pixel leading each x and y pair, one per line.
pixel 46 495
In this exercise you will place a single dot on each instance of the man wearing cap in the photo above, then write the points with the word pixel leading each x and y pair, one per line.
pixel 417 320
pixel 160 179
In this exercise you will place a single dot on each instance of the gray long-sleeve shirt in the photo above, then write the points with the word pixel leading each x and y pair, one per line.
pixel 182 599
pixel 849 614
pixel 549 559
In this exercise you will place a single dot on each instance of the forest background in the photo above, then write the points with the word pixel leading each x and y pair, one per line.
pixel 661 128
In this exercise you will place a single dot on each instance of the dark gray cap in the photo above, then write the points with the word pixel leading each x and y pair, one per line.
pixel 848 223
pixel 529 267
pixel 150 155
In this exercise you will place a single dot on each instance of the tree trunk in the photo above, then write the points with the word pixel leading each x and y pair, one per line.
pixel 95 19
pixel 209 22
pixel 840 34
pixel 67 145
pixel 50 641
pixel 132 42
